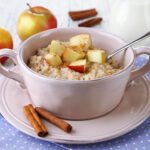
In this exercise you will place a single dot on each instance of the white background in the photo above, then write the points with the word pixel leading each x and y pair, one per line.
pixel 11 9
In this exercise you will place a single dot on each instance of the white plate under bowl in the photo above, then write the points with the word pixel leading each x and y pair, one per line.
pixel 131 112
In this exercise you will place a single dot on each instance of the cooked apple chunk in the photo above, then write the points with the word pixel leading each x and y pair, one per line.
pixel 70 55
pixel 82 40
pixel 53 59
pixel 79 65
pixel 56 47
pixel 98 56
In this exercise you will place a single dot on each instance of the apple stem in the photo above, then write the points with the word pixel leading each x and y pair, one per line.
pixel 30 7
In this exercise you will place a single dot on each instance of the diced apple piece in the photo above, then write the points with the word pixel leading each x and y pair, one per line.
pixel 71 55
pixel 98 56
pixel 53 59
pixel 82 55
pixel 82 40
pixel 57 47
pixel 76 48
pixel 79 65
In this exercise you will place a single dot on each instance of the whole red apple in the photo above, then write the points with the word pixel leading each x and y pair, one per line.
pixel 5 42
pixel 34 20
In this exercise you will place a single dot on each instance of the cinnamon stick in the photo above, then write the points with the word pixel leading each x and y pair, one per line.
pixel 82 14
pixel 35 121
pixel 90 22
pixel 53 119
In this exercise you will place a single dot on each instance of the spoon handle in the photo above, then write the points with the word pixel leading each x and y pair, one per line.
pixel 130 44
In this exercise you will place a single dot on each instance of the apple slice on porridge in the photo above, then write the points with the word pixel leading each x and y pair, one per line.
pixel 75 59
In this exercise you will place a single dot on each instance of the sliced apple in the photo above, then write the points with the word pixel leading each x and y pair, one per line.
pixel 57 47
pixel 79 65
pixel 53 59
pixel 82 40
pixel 98 56
pixel 70 55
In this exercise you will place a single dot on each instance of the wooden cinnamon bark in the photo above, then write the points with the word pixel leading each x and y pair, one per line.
pixel 53 119
pixel 82 14
pixel 35 121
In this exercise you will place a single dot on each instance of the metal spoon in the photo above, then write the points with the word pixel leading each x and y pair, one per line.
pixel 128 45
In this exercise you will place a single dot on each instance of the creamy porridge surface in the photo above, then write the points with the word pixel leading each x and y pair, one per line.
pixel 61 68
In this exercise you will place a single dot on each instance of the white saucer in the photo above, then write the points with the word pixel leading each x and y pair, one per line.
pixel 132 111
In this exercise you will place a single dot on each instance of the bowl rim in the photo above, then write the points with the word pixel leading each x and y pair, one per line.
pixel 46 78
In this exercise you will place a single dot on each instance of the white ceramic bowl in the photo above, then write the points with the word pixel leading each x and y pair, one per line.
pixel 75 99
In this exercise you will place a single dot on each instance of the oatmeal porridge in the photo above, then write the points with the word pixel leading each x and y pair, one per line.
pixel 76 59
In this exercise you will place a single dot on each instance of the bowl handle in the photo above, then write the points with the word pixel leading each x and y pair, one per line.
pixel 8 73
pixel 141 71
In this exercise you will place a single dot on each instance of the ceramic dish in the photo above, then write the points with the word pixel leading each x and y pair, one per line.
pixel 131 112
pixel 75 100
